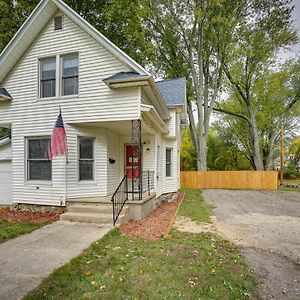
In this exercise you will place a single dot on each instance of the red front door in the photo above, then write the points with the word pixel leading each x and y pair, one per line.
pixel 129 162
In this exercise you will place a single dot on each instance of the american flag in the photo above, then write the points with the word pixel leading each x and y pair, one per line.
pixel 58 143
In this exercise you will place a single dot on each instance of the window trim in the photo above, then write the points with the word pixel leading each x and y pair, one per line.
pixel 27 169
pixel 94 140
pixel 40 76
pixel 61 75
pixel 58 81
pixel 169 163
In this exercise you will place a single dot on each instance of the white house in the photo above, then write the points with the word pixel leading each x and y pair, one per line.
pixel 110 104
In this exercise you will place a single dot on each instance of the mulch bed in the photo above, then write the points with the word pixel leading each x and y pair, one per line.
pixel 27 216
pixel 156 224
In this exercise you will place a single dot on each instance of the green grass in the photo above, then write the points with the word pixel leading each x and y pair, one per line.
pixel 194 206
pixel 186 266
pixel 288 189
pixel 11 230
pixel 291 181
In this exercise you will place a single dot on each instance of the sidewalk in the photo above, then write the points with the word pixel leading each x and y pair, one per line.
pixel 25 261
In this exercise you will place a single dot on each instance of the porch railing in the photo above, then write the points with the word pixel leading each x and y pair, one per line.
pixel 148 181
pixel 119 198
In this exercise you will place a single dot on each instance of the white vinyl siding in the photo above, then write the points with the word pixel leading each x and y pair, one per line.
pixel 95 102
pixel 114 173
pixel 5 182
pixel 5 152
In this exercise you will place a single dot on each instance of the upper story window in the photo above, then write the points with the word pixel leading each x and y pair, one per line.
pixel 47 77
pixel 57 81
pixel 70 74
pixel 58 22
pixel 39 166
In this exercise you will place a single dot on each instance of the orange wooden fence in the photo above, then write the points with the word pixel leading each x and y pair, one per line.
pixel 238 180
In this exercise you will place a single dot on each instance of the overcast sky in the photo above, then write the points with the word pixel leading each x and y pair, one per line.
pixel 295 51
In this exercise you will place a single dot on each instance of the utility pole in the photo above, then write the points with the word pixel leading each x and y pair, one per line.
pixel 281 154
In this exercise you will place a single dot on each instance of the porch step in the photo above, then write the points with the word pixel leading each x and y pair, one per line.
pixel 99 213
pixel 90 208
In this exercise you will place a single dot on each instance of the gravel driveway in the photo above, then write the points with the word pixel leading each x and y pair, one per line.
pixel 266 225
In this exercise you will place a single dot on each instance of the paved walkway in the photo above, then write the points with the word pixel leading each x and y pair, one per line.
pixel 25 261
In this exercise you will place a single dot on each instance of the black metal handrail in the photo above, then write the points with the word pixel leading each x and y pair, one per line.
pixel 148 181
pixel 119 198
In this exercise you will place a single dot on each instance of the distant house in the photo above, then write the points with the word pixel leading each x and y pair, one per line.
pixel 119 121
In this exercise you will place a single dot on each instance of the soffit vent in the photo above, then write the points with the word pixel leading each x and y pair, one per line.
pixel 58 23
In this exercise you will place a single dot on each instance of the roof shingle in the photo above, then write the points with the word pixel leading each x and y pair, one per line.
pixel 4 92
pixel 173 91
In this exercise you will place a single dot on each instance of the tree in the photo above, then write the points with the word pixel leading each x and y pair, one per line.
pixel 191 40
pixel 4 132
pixel 225 150
pixel 265 31
pixel 119 20
pixel 188 161
pixel 276 97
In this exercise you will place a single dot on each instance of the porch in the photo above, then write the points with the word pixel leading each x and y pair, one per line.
pixel 124 168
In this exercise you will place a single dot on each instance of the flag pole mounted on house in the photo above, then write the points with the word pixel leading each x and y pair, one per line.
pixel 58 146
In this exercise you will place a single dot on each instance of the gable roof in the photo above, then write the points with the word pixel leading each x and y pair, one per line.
pixel 173 91
pixel 4 94
pixel 36 22
pixel 123 75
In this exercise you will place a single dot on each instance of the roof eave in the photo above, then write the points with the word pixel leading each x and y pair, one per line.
pixel 111 47
pixel 68 11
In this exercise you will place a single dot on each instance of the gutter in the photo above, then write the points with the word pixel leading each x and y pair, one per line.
pixel 155 118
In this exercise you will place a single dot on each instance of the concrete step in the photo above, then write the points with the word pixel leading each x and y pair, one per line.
pixel 99 214
pixel 91 208
pixel 87 217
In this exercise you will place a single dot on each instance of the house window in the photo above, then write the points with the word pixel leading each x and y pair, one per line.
pixel 70 75
pixel 168 162
pixel 39 166
pixel 58 22
pixel 48 77
pixel 86 158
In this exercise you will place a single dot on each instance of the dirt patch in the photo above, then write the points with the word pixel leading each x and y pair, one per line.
pixel 156 224
pixel 185 224
pixel 27 216
pixel 266 226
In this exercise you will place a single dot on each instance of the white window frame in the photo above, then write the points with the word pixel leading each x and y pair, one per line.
pixel 94 140
pixel 169 163
pixel 27 168
pixel 61 70
pixel 58 76
pixel 40 76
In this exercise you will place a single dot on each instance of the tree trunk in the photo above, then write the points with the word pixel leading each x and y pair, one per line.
pixel 254 139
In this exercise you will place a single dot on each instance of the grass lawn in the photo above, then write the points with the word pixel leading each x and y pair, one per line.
pixel 194 206
pixel 288 189
pixel 185 266
pixel 10 230
pixel 291 181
